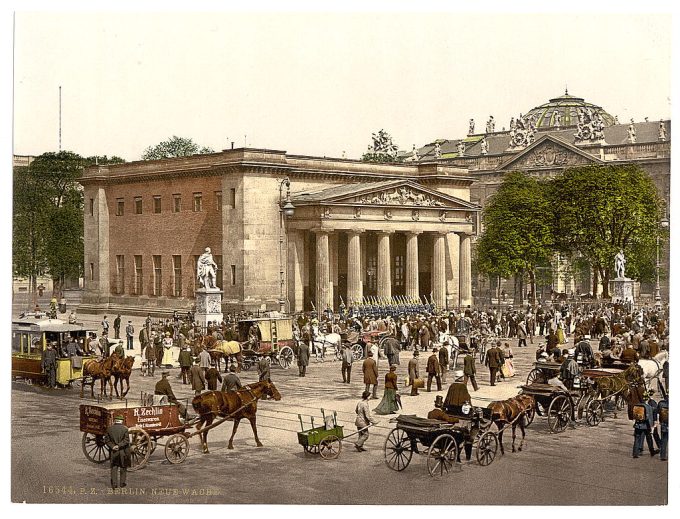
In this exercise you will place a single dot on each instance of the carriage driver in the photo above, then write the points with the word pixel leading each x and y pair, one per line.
pixel 163 388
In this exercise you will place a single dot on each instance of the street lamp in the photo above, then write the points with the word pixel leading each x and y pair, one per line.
pixel 286 209
pixel 657 290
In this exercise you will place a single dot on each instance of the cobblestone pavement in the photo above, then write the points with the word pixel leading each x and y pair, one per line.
pixel 582 465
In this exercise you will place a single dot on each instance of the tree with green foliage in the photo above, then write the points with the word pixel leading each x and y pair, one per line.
pixel 601 210
pixel 517 234
pixel 48 217
pixel 382 150
pixel 174 147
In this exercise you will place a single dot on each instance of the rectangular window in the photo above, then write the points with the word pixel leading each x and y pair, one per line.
pixel 91 206
pixel 120 207
pixel 138 205
pixel 233 275
pixel 177 276
pixel 232 198
pixel 139 276
pixel 157 276
pixel 198 202
pixel 176 203
pixel 218 200
pixel 91 271
pixel 120 274
pixel 157 204
pixel 218 274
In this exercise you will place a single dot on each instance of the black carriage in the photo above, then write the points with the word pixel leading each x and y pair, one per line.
pixel 443 441
pixel 562 407
pixel 542 372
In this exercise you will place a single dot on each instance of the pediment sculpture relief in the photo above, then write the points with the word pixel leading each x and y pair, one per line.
pixel 401 196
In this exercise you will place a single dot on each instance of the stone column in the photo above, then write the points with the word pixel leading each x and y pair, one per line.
pixel 324 295
pixel 384 266
pixel 296 267
pixel 412 286
pixel 439 270
pixel 452 270
pixel 465 270
pixel 355 292
pixel 333 264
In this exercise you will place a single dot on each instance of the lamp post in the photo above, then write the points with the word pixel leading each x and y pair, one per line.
pixel 286 209
pixel 657 290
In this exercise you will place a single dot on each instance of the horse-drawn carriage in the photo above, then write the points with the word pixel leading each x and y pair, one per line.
pixel 443 441
pixel 267 336
pixel 30 337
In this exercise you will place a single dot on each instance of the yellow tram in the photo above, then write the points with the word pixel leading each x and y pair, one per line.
pixel 29 339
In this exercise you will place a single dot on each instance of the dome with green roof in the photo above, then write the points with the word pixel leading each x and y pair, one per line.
pixel 567 107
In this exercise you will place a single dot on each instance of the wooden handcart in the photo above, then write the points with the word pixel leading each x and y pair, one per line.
pixel 443 441
pixel 325 440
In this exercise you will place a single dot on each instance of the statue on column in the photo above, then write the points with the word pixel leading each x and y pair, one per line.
pixel 620 265
pixel 461 148
pixel 631 132
pixel 558 119
pixel 485 146
pixel 414 154
pixel 206 270
pixel 662 131
pixel 437 151
pixel 490 125
pixel 471 127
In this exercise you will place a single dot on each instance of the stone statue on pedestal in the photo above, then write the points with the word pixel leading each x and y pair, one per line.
pixel 471 127
pixel 620 265
pixel 437 151
pixel 490 125
pixel 662 131
pixel 485 146
pixel 206 270
pixel 461 148
pixel 631 132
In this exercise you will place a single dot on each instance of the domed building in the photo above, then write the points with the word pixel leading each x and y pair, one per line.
pixel 564 132
pixel 563 112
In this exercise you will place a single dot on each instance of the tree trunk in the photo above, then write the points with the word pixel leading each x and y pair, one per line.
pixel 532 287
pixel 595 282
pixel 605 284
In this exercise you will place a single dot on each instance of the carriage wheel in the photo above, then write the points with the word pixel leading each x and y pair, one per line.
pixel 311 449
pixel 559 413
pixel 177 448
pixel 398 451
pixel 487 447
pixel 247 364
pixel 357 351
pixel 535 375
pixel 140 448
pixel 582 404
pixel 594 412
pixel 529 416
pixel 286 357
pixel 94 448
pixel 442 454
pixel 330 447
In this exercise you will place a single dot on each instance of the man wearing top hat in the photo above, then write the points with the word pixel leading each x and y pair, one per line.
pixel 413 373
pixel 118 442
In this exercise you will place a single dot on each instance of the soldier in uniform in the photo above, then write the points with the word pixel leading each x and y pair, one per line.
pixel 49 364
pixel 118 441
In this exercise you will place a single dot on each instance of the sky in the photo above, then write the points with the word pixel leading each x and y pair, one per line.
pixel 318 83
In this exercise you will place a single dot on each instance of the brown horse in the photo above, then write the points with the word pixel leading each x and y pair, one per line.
pixel 121 371
pixel 99 370
pixel 236 405
pixel 513 411
pixel 229 351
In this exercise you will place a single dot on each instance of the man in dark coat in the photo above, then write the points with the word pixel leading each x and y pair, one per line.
pixel 231 380
pixel 212 377
pixel 469 370
pixel 370 370
pixel 163 388
pixel 264 368
pixel 303 358
pixel 424 337
pixel 392 346
pixel 347 360
pixel 494 360
pixel 197 378
pixel 433 370
pixel 413 373
pixel 443 361
pixel 150 354
pixel 116 327
pixel 49 364
pixel 118 441
pixel 185 362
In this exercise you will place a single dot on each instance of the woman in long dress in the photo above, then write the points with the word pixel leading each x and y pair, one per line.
pixel 508 368
pixel 167 350
pixel 561 337
pixel 389 403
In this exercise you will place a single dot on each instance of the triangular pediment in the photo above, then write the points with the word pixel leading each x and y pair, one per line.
pixel 549 152
pixel 404 193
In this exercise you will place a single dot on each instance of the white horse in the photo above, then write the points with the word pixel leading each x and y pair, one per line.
pixel 323 343
pixel 652 368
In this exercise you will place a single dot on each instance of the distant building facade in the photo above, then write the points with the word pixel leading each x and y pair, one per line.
pixel 358 230
pixel 567 131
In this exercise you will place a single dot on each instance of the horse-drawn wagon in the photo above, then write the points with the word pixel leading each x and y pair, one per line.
pixel 267 336
pixel 443 441
pixel 29 341
pixel 561 406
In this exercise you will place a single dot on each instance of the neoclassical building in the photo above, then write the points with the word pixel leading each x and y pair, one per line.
pixel 564 132
pixel 357 230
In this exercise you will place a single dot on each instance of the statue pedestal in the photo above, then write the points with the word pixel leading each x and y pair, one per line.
pixel 621 289
pixel 208 305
